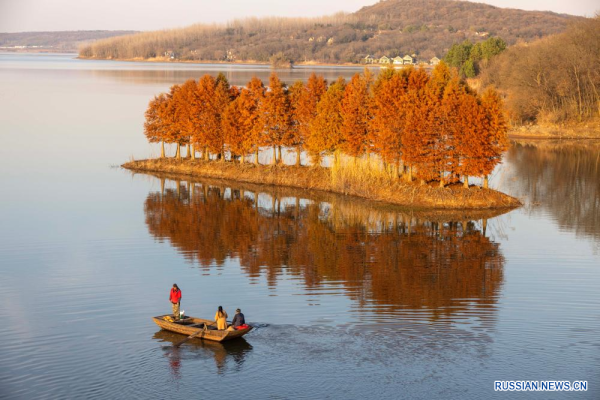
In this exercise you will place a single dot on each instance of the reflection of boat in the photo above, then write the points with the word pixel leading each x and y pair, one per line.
pixel 234 350
pixel 191 325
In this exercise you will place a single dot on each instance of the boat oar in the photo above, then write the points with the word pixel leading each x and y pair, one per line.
pixel 193 335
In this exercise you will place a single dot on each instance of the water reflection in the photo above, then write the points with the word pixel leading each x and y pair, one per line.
pixel 385 259
pixel 61 66
pixel 226 355
pixel 561 178
pixel 236 74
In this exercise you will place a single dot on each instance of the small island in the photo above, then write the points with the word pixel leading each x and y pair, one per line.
pixel 407 137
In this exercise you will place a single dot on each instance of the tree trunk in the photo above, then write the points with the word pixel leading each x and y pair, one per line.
pixel 178 153
pixel 243 159
pixel 256 157
pixel 315 159
pixel 298 154
pixel 193 152
pixel 162 149
pixel 485 182
pixel 189 151
pixel 442 179
pixel 409 174
pixel 274 160
pixel 205 154
pixel 465 181
pixel 280 161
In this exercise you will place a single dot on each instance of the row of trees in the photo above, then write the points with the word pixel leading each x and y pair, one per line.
pixel 430 127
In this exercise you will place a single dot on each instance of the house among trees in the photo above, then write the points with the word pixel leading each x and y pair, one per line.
pixel 398 60
pixel 170 54
pixel 369 59
pixel 409 59
pixel 384 60
pixel 434 61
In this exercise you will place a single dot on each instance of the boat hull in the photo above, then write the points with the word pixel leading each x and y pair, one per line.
pixel 191 325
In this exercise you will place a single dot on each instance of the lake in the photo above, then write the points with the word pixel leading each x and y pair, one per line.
pixel 350 299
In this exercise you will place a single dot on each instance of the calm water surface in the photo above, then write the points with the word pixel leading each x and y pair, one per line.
pixel 351 299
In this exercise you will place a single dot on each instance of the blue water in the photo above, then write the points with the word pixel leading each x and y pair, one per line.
pixel 350 299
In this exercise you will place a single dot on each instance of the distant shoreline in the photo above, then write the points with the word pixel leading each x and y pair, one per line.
pixel 452 197
pixel 248 62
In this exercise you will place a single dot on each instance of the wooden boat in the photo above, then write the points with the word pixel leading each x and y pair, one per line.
pixel 190 325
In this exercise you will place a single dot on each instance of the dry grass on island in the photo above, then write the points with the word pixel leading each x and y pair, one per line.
pixel 361 181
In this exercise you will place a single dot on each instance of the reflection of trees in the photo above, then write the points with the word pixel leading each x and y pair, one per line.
pixel 392 258
pixel 562 178
pixel 236 74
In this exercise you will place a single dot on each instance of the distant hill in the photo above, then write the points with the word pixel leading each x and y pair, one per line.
pixel 426 28
pixel 67 41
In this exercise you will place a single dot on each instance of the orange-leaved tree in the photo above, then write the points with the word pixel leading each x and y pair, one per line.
pixel 205 120
pixel 252 109
pixel 325 129
pixel 155 127
pixel 275 116
pixel 305 109
pixel 355 111
pixel 239 120
pixel 454 133
pixel 418 138
pixel 223 95
pixel 170 114
pixel 186 108
pixel 495 141
pixel 293 137
pixel 387 124
pixel 471 140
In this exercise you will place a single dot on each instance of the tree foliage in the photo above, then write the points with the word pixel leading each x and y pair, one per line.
pixel 432 127
pixel 468 58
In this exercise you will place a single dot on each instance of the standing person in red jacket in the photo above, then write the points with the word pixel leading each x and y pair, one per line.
pixel 175 299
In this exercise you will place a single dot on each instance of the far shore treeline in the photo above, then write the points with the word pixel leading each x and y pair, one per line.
pixel 433 128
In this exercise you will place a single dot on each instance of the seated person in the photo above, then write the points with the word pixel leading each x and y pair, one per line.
pixel 238 319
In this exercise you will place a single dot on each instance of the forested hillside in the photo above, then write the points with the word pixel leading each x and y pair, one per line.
pixel 55 41
pixel 426 28
pixel 543 88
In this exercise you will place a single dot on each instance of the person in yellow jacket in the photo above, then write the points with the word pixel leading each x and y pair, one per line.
pixel 221 318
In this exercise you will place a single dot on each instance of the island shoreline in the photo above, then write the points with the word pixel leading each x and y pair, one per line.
pixel 397 192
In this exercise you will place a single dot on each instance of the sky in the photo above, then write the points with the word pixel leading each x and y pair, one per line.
pixel 58 15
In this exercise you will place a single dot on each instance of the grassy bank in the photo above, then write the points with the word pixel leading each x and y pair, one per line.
pixel 584 130
pixel 371 186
